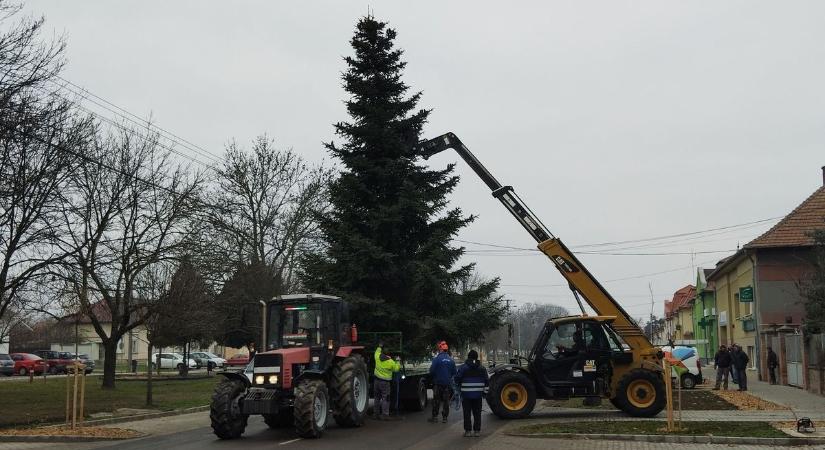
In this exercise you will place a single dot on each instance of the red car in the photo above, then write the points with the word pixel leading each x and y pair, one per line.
pixel 238 360
pixel 26 362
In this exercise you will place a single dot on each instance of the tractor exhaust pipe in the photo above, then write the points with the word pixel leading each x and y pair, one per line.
pixel 263 326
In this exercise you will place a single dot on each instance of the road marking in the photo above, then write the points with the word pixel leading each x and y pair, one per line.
pixel 289 442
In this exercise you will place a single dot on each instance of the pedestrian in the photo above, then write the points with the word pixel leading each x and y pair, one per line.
pixel 721 362
pixel 733 377
pixel 472 380
pixel 740 361
pixel 385 366
pixel 442 370
pixel 773 363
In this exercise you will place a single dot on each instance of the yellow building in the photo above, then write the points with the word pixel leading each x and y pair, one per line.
pixel 734 315
pixel 679 317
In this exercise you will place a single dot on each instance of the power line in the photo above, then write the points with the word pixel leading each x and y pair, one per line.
pixel 536 253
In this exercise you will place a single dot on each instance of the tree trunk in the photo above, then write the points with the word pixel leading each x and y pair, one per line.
pixel 109 363
pixel 149 375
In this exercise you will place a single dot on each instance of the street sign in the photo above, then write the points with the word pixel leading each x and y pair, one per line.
pixel 746 294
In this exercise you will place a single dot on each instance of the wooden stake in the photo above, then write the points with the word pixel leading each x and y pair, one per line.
pixel 679 389
pixel 68 398
pixel 74 399
pixel 668 395
pixel 82 393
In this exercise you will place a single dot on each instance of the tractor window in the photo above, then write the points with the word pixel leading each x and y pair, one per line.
pixel 594 336
pixel 295 326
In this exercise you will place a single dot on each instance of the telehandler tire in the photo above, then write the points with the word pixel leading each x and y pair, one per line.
pixel 512 395
pixel 420 401
pixel 225 410
pixel 640 393
pixel 310 408
pixel 349 391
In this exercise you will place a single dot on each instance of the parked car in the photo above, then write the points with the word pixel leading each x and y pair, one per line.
pixel 689 358
pixel 24 363
pixel 6 365
pixel 85 360
pixel 56 362
pixel 172 361
pixel 208 360
pixel 241 359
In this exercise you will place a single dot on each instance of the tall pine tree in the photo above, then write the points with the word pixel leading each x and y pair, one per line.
pixel 388 235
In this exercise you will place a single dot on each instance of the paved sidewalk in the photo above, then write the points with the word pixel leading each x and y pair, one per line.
pixel 802 402
pixel 501 441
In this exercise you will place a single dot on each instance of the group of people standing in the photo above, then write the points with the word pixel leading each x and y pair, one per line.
pixel 470 378
pixel 731 361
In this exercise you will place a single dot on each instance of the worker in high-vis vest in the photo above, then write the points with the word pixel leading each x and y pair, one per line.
pixel 472 381
pixel 385 366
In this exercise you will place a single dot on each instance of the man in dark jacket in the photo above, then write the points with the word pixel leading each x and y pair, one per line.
pixel 721 362
pixel 740 361
pixel 472 380
pixel 442 370
pixel 773 363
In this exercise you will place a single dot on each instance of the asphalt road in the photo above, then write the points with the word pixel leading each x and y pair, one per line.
pixel 413 432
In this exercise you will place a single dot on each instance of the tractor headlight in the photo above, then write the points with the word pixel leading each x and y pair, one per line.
pixel 273 379
pixel 259 379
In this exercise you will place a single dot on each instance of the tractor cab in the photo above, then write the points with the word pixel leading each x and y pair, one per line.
pixel 573 355
pixel 306 320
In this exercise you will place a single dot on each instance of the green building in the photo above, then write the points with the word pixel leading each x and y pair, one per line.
pixel 704 317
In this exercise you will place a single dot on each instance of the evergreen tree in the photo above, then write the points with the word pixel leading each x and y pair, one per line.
pixel 388 235
pixel 237 307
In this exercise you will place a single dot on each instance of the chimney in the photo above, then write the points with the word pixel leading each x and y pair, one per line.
pixel 823 175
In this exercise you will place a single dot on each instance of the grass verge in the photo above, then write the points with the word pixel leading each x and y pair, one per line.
pixel 43 402
pixel 732 429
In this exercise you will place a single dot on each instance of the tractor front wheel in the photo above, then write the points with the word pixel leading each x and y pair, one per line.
pixel 512 395
pixel 349 387
pixel 225 410
pixel 310 410
pixel 641 393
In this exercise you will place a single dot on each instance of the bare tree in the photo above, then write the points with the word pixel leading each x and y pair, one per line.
pixel 263 208
pixel 40 138
pixel 126 213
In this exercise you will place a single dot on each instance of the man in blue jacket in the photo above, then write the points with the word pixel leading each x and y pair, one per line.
pixel 472 380
pixel 442 370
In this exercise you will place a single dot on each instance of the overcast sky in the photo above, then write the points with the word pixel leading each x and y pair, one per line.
pixel 613 120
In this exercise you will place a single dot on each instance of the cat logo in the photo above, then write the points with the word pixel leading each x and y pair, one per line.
pixel 590 365
pixel 564 264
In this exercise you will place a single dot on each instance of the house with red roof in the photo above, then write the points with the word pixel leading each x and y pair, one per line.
pixel 757 293
pixel 679 317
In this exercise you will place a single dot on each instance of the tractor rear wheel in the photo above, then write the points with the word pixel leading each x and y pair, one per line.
pixel 283 419
pixel 310 410
pixel 641 393
pixel 225 410
pixel 512 395
pixel 349 388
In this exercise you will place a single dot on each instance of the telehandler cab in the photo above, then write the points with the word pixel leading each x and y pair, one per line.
pixel 602 356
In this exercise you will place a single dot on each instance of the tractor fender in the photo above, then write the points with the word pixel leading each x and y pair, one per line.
pixel 237 376
pixel 345 351
pixel 309 374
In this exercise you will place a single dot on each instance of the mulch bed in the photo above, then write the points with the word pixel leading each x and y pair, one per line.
pixel 692 400
pixel 113 433
pixel 747 402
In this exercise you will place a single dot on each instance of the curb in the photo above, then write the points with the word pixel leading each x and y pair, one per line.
pixel 675 439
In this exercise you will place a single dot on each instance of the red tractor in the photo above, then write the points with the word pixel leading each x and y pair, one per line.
pixel 311 366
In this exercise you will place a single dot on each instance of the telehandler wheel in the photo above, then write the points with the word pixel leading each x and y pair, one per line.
pixel 225 410
pixel 349 390
pixel 512 395
pixel 310 409
pixel 420 401
pixel 640 393
pixel 283 419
